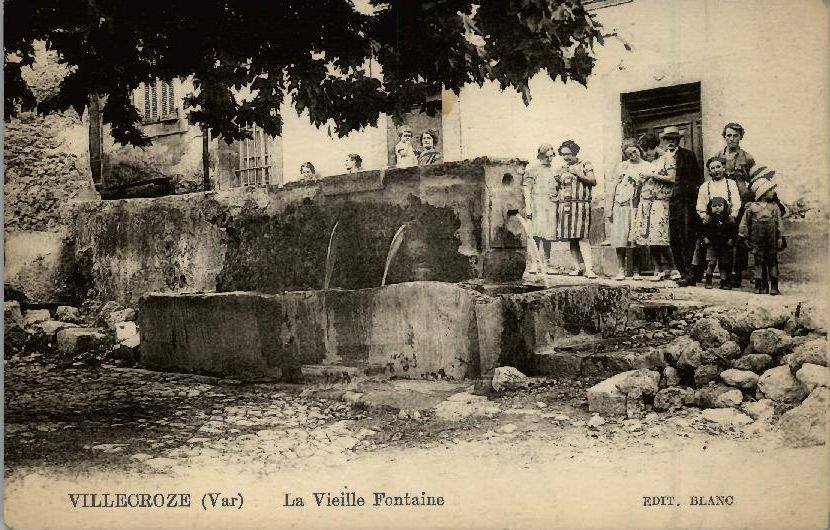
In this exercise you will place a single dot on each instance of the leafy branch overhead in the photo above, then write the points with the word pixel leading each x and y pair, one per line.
pixel 344 65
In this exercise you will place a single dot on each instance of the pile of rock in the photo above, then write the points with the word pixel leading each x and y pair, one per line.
pixel 74 337
pixel 740 365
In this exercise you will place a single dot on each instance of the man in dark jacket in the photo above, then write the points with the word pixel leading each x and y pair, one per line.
pixel 683 219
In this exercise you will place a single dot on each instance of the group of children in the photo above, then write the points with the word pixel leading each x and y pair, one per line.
pixel 728 224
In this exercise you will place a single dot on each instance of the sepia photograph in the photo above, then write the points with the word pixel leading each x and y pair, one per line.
pixel 416 264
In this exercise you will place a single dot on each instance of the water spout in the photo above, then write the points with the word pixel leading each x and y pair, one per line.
pixel 535 254
pixel 329 259
pixel 393 249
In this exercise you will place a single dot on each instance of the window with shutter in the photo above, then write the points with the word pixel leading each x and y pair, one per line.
pixel 159 101
pixel 254 159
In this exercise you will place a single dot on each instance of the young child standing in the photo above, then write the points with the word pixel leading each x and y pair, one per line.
pixel 717 185
pixel 719 232
pixel 762 228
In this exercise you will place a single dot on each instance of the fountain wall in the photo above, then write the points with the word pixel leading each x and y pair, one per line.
pixel 414 329
pixel 275 240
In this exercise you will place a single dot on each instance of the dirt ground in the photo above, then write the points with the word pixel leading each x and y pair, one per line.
pixel 535 463
pixel 532 461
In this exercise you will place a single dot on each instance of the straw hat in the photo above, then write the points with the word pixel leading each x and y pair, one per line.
pixel 761 181
pixel 670 131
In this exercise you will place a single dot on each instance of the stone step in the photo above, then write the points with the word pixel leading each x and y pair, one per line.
pixel 661 310
pixel 327 373
pixel 575 364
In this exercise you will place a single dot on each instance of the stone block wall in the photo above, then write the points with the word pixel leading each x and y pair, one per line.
pixel 45 158
pixel 276 240
pixel 413 330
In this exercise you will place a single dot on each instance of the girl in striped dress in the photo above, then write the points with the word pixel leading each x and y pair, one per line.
pixel 575 180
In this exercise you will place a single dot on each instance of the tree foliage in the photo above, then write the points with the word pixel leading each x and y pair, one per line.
pixel 344 66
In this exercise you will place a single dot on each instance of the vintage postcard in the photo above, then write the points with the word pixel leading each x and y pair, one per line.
pixel 416 264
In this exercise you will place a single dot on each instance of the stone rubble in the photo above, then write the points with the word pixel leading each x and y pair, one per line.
pixel 739 365
pixel 813 375
pixel 806 424
pixel 508 378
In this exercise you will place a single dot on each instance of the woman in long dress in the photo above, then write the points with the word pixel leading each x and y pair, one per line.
pixel 575 179
pixel 621 196
pixel 539 187
pixel 651 220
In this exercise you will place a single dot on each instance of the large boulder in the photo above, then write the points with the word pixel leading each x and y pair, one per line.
pixel 126 333
pixel 14 337
pixel 68 313
pixel 770 341
pixel 50 328
pixel 103 312
pixel 508 378
pixel 813 352
pixel 726 417
pixel 730 398
pixel 12 315
pixel 651 359
pixel 122 315
pixel 812 316
pixel 35 316
pixel 779 384
pixel 727 352
pixel 739 378
pixel 755 362
pixel 813 375
pixel 127 342
pixel 806 424
pixel 606 399
pixel 39 267
pixel 71 341
pixel 709 396
pixel 709 332
pixel 706 373
pixel 670 376
pixel 672 398
pixel 763 409
pixel 743 321
pixel 680 345
pixel 610 397
pixel 646 381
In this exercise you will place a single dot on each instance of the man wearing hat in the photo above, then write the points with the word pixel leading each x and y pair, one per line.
pixel 681 164
pixel 762 228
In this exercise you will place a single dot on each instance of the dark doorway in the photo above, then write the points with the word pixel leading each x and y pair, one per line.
pixel 651 111
pixel 655 109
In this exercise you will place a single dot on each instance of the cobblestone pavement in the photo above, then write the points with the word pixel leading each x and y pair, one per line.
pixel 132 417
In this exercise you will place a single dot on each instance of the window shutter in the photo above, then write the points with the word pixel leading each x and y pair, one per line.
pixel 154 103
pixel 164 110
pixel 147 106
pixel 171 101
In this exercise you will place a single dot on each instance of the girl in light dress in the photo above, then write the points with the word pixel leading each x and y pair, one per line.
pixel 622 201
pixel 540 190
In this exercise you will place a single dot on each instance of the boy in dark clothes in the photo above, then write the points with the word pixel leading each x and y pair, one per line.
pixel 762 228
pixel 719 233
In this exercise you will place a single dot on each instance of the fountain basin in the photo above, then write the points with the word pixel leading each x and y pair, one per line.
pixel 413 329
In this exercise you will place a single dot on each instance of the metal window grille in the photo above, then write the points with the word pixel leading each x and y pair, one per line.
pixel 159 101
pixel 254 159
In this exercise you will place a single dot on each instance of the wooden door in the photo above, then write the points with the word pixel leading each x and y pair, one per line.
pixel 690 126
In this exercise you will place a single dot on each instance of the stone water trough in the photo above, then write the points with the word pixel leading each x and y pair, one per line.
pixel 413 329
